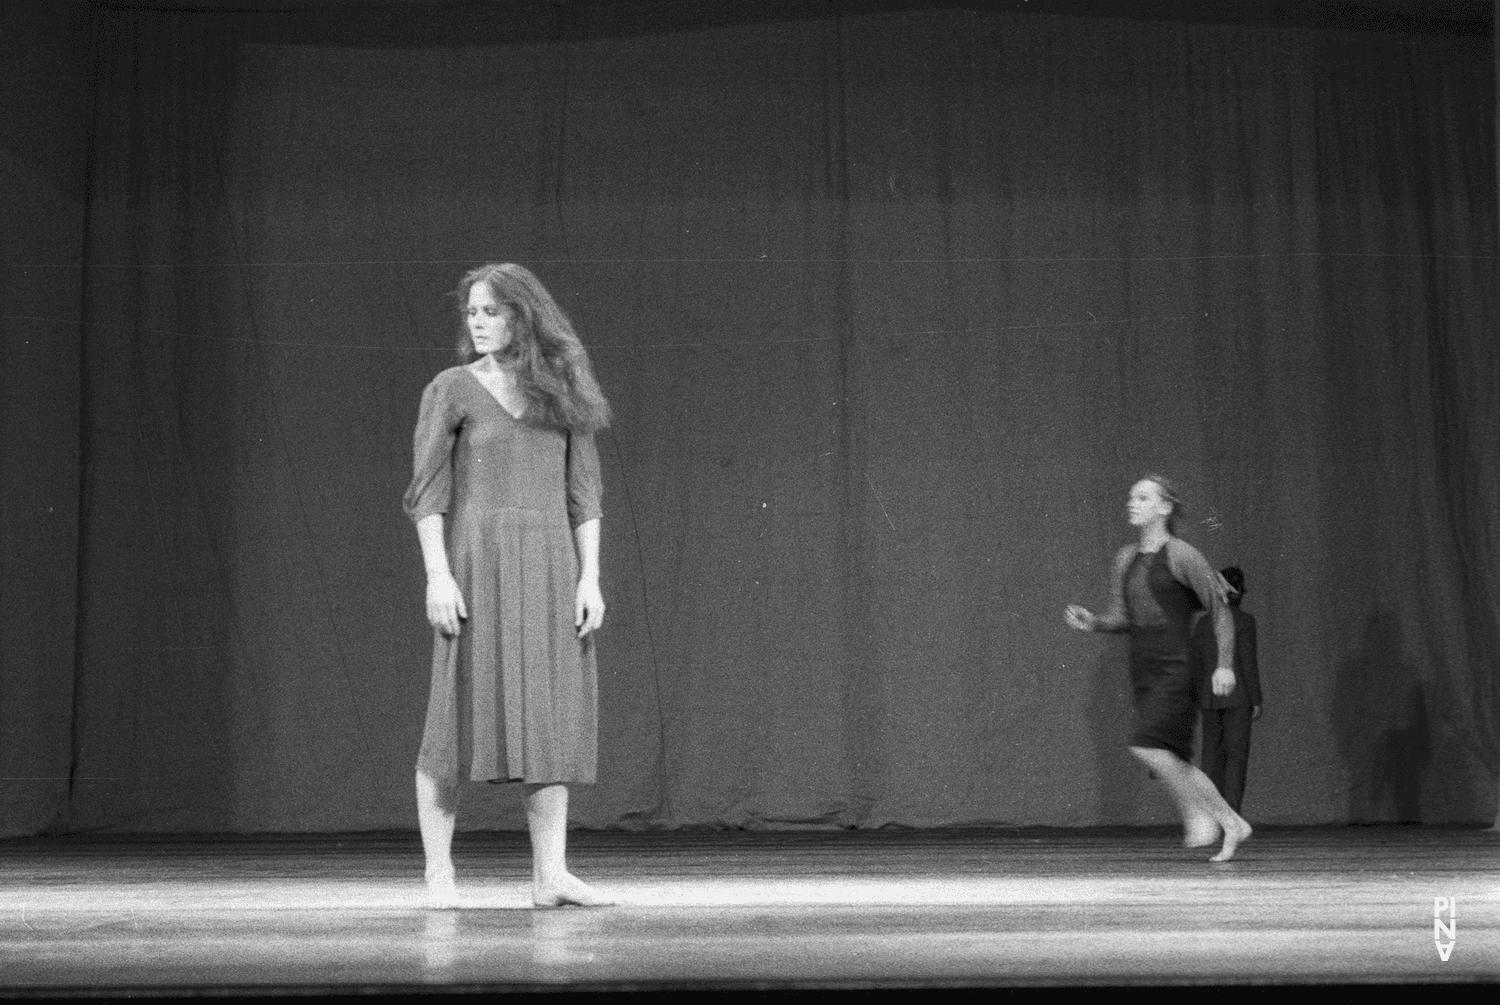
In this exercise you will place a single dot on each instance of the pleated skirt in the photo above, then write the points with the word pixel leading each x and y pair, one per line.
pixel 514 695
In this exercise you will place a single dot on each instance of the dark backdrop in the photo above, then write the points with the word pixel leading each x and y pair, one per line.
pixel 893 305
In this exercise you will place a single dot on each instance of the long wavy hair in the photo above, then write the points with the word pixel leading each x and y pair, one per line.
pixel 551 367
pixel 1169 493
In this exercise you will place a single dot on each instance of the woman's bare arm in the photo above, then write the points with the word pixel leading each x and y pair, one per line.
pixel 588 607
pixel 445 604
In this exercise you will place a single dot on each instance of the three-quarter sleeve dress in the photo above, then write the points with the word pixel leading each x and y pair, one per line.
pixel 1154 597
pixel 514 694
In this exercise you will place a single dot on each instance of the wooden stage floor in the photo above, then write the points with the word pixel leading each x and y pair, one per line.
pixel 748 910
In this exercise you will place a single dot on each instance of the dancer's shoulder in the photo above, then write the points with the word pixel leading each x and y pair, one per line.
pixel 1179 550
pixel 443 382
pixel 448 376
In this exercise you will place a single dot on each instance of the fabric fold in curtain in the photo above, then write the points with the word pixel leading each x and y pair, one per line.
pixel 43 174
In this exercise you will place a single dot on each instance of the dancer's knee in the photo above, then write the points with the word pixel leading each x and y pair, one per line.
pixel 1156 756
pixel 443 794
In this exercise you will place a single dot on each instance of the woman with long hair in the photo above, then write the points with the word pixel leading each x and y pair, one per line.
pixel 1157 585
pixel 505 497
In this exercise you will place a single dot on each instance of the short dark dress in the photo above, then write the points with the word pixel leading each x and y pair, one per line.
pixel 1155 596
pixel 514 695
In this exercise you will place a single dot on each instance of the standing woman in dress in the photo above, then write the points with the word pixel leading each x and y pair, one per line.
pixel 1157 585
pixel 505 496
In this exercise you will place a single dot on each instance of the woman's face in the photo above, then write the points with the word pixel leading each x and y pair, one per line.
pixel 488 320
pixel 1146 503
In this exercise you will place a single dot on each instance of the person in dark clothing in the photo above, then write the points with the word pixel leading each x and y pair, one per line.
pixel 1156 586
pixel 1227 717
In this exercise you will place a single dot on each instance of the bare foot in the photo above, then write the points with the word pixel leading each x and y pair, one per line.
pixel 1199 831
pixel 1234 834
pixel 570 890
pixel 442 889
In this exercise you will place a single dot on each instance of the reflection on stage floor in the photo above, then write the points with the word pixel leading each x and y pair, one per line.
pixel 752 909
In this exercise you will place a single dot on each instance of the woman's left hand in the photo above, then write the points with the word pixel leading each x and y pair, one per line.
pixel 588 608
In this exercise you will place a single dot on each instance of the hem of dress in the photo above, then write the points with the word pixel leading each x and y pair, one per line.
pixel 1155 743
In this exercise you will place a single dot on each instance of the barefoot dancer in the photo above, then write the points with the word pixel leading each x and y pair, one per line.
pixel 1157 585
pixel 507 489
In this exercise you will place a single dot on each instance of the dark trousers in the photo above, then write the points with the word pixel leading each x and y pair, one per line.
pixel 1226 751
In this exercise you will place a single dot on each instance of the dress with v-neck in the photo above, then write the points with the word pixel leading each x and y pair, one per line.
pixel 514 695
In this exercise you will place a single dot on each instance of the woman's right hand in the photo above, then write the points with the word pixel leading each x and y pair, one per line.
pixel 1079 618
pixel 445 604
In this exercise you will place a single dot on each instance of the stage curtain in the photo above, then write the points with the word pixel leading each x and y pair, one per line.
pixel 43 167
pixel 893 308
